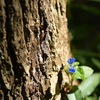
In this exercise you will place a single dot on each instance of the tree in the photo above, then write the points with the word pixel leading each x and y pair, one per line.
pixel 34 46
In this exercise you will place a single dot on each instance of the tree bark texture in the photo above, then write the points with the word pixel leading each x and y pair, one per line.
pixel 34 46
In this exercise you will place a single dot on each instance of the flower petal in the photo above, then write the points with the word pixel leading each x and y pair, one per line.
pixel 72 70
pixel 71 60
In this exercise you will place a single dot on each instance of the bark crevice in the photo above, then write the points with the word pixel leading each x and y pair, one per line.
pixel 33 49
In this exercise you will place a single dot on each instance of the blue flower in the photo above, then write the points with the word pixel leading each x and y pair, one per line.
pixel 71 60
pixel 71 69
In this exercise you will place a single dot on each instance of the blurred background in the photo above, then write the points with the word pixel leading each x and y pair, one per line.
pixel 84 28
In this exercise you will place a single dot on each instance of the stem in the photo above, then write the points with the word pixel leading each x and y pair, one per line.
pixel 71 82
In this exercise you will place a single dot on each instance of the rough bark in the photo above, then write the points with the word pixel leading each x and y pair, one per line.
pixel 34 46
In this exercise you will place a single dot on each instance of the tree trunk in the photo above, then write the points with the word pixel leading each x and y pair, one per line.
pixel 34 46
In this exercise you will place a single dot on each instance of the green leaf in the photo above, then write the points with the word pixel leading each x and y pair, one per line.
pixel 71 96
pixel 91 98
pixel 88 85
pixel 75 64
pixel 79 74
pixel 99 97
pixel 75 94
pixel 96 62
pixel 81 71
pixel 87 71
pixel 76 75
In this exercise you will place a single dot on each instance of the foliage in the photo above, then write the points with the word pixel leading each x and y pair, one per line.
pixel 83 22
pixel 76 71
pixel 87 86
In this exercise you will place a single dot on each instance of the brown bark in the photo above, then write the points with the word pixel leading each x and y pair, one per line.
pixel 34 46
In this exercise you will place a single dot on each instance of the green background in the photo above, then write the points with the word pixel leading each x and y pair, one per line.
pixel 84 29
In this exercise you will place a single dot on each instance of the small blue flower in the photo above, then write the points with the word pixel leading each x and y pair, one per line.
pixel 71 60
pixel 71 70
